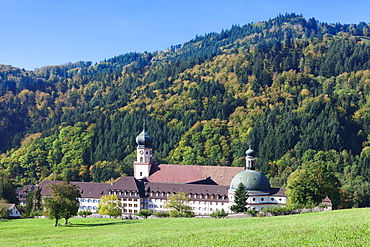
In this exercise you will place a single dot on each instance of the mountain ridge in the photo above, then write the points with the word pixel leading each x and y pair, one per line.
pixel 296 90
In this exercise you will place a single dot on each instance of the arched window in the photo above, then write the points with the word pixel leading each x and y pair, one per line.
pixel 141 159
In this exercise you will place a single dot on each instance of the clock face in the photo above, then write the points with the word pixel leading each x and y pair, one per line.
pixel 141 152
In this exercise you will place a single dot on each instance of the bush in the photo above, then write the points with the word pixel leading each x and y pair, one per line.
pixel 145 213
pixel 36 213
pixel 84 213
pixel 187 214
pixel 161 214
pixel 251 212
pixel 219 214
pixel 174 214
pixel 290 209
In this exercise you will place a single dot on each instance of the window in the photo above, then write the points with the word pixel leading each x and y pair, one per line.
pixel 272 199
pixel 254 199
pixel 141 174
pixel 262 199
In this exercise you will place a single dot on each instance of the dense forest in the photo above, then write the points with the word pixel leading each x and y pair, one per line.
pixel 295 90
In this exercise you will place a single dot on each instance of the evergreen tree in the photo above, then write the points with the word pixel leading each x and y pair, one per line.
pixel 33 201
pixel 7 190
pixel 240 198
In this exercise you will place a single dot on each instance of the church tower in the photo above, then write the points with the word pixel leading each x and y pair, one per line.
pixel 144 149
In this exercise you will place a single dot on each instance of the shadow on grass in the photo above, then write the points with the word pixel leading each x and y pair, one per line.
pixel 99 224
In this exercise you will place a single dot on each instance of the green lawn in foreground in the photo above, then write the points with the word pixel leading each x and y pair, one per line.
pixel 334 228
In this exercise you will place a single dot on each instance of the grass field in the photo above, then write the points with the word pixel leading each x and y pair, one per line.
pixel 334 228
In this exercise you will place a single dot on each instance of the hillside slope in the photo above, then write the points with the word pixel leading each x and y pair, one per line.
pixel 296 90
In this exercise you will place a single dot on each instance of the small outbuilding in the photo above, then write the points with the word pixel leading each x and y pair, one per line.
pixel 13 211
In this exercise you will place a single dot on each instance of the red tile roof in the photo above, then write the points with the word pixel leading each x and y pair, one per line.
pixel 326 199
pixel 166 173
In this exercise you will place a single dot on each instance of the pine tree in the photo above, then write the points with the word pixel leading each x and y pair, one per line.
pixel 240 199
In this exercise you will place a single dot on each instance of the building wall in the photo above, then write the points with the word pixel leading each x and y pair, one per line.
pixel 259 202
pixel 89 204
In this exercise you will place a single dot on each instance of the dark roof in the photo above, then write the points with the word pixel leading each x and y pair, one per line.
pixel 128 183
pixel 25 190
pixel 277 192
pixel 166 173
pixel 87 189
pixel 187 188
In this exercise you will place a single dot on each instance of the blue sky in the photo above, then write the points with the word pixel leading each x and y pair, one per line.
pixel 37 33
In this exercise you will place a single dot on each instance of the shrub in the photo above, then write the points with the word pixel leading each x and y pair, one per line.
pixel 219 214
pixel 161 214
pixel 174 213
pixel 290 209
pixel 187 214
pixel 145 213
pixel 251 212
pixel 36 213
pixel 84 213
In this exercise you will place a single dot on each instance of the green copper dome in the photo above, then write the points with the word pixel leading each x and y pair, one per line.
pixel 253 181
pixel 144 140
pixel 250 152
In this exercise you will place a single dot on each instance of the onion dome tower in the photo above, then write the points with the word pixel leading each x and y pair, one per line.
pixel 144 152
pixel 253 181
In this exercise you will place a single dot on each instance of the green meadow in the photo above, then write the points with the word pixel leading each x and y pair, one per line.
pixel 334 228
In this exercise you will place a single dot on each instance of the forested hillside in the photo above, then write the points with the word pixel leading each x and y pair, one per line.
pixel 296 90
